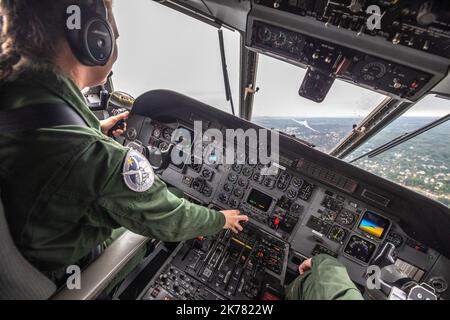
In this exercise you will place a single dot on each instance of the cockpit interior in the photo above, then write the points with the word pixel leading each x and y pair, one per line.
pixel 316 201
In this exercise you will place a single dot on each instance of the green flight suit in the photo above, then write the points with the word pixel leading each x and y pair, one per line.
pixel 327 280
pixel 63 187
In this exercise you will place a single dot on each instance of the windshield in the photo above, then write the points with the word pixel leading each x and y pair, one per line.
pixel 152 59
pixel 279 106
pixel 421 164
pixel 160 48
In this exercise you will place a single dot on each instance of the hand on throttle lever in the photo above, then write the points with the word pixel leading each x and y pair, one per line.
pixel 233 219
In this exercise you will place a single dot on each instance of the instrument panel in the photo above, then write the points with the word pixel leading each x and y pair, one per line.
pixel 400 50
pixel 305 207
pixel 419 24
pixel 338 61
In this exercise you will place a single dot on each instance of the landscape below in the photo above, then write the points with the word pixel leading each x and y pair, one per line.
pixel 421 164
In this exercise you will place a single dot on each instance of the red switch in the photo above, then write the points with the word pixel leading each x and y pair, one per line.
pixel 277 221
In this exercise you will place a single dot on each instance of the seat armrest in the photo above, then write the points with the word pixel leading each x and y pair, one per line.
pixel 96 277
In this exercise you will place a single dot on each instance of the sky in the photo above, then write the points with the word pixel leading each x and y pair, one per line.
pixel 160 48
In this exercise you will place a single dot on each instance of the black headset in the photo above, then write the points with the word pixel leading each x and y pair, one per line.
pixel 93 43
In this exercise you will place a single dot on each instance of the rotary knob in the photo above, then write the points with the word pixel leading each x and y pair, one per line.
pixel 163 278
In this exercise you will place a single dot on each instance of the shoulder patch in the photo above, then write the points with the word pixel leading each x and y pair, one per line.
pixel 137 172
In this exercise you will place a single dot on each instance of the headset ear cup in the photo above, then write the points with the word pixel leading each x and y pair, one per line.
pixel 98 42
pixel 93 44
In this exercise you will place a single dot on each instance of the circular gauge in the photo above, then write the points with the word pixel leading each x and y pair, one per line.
pixel 295 44
pixel 243 183
pixel 360 249
pixel 157 133
pixel 373 71
pixel 328 215
pixel 164 146
pixel 280 39
pixel 247 171
pixel 264 34
pixel 297 182
pixel 295 39
pixel 269 182
pixel 395 239
pixel 345 218
pixel 233 177
pixel 228 187
pixel 196 167
pixel 237 168
pixel 291 193
pixel 238 193
pixel 167 134
pixel 337 234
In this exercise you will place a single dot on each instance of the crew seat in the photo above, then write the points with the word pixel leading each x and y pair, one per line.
pixel 19 280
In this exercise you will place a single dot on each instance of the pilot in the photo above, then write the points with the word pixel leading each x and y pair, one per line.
pixel 322 278
pixel 66 188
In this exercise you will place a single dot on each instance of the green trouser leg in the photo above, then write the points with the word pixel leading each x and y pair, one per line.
pixel 327 280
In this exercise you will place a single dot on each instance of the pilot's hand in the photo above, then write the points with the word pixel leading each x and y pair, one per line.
pixel 232 220
pixel 305 266
pixel 109 123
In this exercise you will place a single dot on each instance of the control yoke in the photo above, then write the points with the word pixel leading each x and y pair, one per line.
pixel 386 256
pixel 393 283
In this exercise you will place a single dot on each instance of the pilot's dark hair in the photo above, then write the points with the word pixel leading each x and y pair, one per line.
pixel 30 31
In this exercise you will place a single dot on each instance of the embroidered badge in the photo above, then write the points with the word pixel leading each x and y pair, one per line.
pixel 137 172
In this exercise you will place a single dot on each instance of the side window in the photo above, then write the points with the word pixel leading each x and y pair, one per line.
pixel 160 48
pixel 421 164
